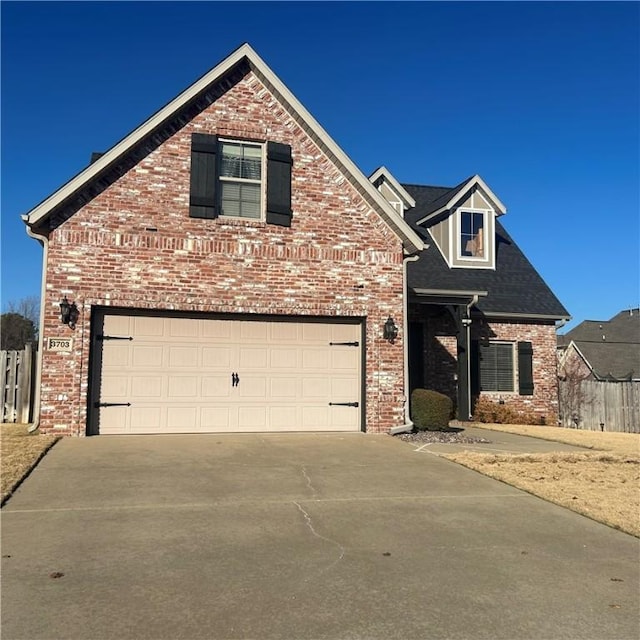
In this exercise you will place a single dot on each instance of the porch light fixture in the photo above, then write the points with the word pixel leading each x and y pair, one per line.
pixel 68 313
pixel 390 330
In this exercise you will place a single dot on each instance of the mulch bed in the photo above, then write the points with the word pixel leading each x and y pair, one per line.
pixel 452 436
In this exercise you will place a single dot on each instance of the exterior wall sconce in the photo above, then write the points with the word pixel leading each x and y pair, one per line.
pixel 68 313
pixel 390 330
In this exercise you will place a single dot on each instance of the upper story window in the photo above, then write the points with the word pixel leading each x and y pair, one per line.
pixel 240 179
pixel 472 234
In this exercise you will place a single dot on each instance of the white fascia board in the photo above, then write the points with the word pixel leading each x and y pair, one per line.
pixel 120 148
pixel 411 240
pixel 383 172
pixel 476 180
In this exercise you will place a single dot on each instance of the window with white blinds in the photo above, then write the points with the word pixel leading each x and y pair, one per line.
pixel 497 371
pixel 241 179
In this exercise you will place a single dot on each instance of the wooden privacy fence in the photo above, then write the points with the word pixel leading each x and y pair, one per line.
pixel 600 406
pixel 16 379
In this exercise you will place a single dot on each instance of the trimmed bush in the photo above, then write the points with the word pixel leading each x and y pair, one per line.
pixel 488 411
pixel 430 410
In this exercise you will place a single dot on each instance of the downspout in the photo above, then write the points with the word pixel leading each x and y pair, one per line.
pixel 44 241
pixel 408 424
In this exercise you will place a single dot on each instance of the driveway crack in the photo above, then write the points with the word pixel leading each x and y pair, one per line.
pixel 342 550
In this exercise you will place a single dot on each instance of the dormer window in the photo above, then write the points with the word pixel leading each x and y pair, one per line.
pixel 472 235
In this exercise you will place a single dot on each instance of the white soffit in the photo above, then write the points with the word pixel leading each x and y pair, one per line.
pixel 410 238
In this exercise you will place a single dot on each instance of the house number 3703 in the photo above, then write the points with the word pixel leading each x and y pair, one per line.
pixel 60 344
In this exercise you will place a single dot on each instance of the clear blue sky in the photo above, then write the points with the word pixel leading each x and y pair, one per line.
pixel 541 99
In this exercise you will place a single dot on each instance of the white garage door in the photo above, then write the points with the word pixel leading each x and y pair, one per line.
pixel 185 375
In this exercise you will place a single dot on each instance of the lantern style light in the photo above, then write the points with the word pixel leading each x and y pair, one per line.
pixel 390 330
pixel 69 313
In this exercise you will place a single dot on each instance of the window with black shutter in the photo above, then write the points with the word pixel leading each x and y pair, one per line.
pixel 228 178
pixel 496 366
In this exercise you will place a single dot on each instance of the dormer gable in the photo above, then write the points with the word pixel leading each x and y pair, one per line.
pixel 462 223
pixel 392 191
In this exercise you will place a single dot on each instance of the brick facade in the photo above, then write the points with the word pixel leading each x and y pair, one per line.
pixel 440 358
pixel 135 246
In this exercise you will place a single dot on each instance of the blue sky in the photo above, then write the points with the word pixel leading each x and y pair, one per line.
pixel 541 99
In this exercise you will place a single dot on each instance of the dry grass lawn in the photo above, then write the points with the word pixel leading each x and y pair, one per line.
pixel 603 484
pixel 20 451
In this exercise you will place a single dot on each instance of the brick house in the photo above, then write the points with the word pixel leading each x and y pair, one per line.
pixel 225 267
pixel 481 320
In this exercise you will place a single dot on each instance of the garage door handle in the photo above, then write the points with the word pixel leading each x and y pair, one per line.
pixel 344 344
pixel 344 404
pixel 97 405
pixel 235 379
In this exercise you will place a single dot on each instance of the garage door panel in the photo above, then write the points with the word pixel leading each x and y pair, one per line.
pixel 144 418
pixel 252 418
pixel 316 359
pixel 115 355
pixel 148 327
pixel 176 373
pixel 254 358
pixel 315 332
pixel 216 386
pixel 315 387
pixel 184 356
pixel 183 328
pixel 283 359
pixel 146 356
pixel 182 419
pixel 216 358
pixel 114 419
pixel 252 388
pixel 254 331
pixel 282 388
pixel 117 325
pixel 146 387
pixel 344 358
pixel 181 387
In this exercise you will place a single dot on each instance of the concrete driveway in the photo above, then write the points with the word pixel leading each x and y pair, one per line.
pixel 299 536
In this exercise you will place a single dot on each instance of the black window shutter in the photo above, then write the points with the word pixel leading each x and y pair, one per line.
pixel 279 184
pixel 525 368
pixel 203 197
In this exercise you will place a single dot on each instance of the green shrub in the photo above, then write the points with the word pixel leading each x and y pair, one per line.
pixel 430 410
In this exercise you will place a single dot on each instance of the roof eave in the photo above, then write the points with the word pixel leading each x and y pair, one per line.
pixel 411 241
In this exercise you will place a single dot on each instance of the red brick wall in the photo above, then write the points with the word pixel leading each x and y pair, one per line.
pixel 337 259
pixel 440 359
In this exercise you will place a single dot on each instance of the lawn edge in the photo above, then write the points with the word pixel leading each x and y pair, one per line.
pixel 536 495
pixel 28 472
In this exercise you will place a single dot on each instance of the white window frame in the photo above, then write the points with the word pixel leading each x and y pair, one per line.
pixel 484 258
pixel 514 367
pixel 229 179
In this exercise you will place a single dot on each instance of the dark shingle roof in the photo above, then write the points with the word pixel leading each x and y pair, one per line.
pixel 612 360
pixel 610 347
pixel 514 287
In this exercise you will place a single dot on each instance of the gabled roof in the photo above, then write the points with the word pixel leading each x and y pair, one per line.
pixel 610 361
pixel 513 289
pixel 161 125
pixel 610 348
pixel 384 174
pixel 446 201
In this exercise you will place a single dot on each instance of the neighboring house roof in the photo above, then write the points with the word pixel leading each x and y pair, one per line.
pixel 610 348
pixel 120 158
pixel 513 288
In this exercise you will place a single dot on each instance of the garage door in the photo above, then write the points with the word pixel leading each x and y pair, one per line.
pixel 184 375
